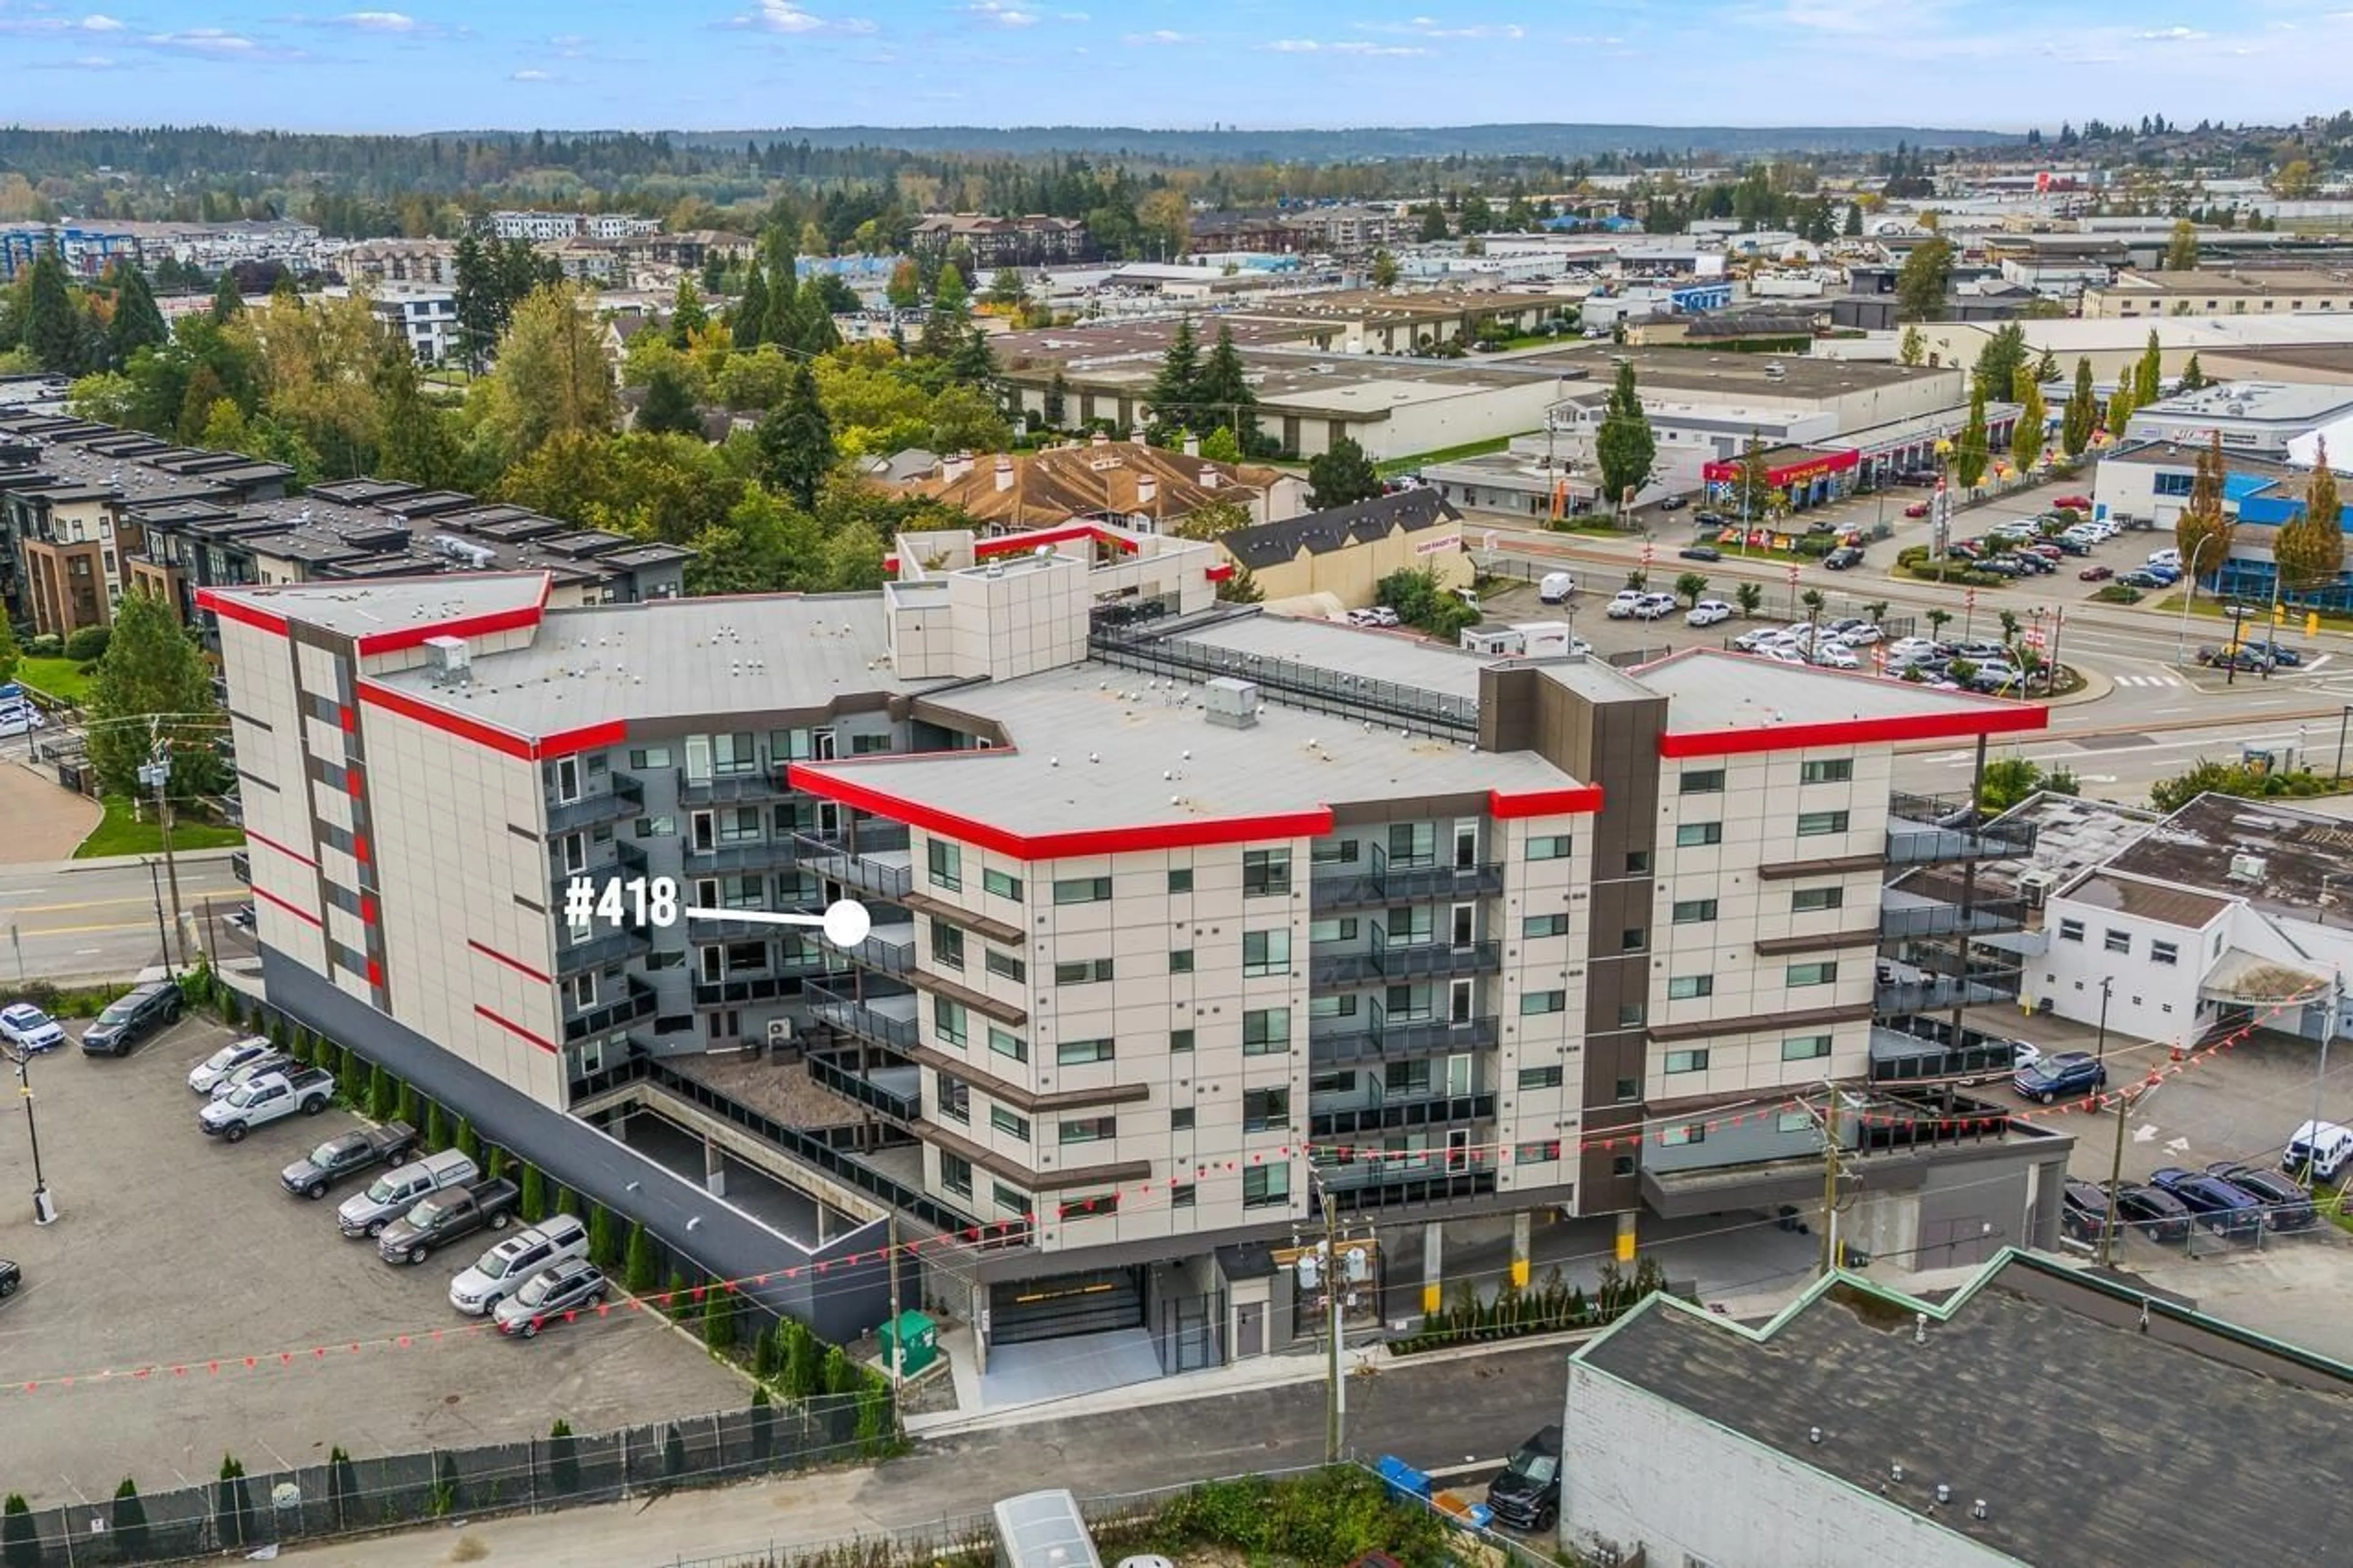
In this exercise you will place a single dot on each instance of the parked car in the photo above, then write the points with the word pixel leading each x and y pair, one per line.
pixel 132 1018
pixel 2282 656
pixel 575 1285
pixel 2154 1211
pixel 2326 1145
pixel 2223 1208
pixel 214 1070
pixel 443 1217
pixel 397 1190
pixel 11 1277
pixel 1675 503
pixel 1844 558
pixel 2169 556
pixel 337 1158
pixel 1835 655
pixel 2141 579
pixel 2232 658
pixel 1910 650
pixel 1700 553
pixel 29 1030
pixel 1526 1496
pixel 2083 1210
pixel 1655 607
pixel 1995 676
pixel 1623 605
pixel 1917 509
pixel 1981 652
pixel 268 1061
pixel 2069 544
pixel 2287 1206
pixel 2096 574
pixel 497 1273
pixel 267 1098
pixel 1708 519
pixel 1708 613
pixel 1556 588
pixel 2072 503
pixel 2060 1076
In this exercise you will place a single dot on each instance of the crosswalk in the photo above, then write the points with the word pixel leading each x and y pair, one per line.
pixel 2151 680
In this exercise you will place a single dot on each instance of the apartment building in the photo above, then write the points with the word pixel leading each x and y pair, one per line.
pixel 1027 241
pixel 1182 916
pixel 381 261
pixel 536 225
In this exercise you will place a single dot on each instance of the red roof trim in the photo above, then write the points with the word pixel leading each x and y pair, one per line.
pixel 269 843
pixel 238 610
pixel 520 968
pixel 588 738
pixel 1220 573
pixel 1575 800
pixel 2010 718
pixel 270 898
pixel 1003 543
pixel 402 638
pixel 829 784
pixel 458 724
pixel 516 1029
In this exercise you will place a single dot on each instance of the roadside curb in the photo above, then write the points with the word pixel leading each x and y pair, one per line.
pixel 2096 687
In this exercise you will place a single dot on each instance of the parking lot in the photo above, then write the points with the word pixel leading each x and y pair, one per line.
pixel 181 1254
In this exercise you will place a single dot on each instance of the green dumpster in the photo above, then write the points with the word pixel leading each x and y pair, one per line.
pixel 914 1339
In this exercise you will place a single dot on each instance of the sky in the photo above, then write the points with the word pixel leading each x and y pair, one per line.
pixel 737 64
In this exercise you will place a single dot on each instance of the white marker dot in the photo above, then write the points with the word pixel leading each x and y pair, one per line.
pixel 846 923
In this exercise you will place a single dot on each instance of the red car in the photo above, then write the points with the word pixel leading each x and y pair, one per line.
pixel 2074 503
pixel 2096 574
pixel 1917 509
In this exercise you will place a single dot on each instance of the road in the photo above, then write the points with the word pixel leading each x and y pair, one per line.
pixel 83 921
pixel 1433 1415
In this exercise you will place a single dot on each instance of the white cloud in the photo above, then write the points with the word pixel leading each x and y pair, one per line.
pixel 1362 51
pixel 96 21
pixel 212 41
pixel 785 16
pixel 532 75
pixel 2170 35
pixel 1001 14
pixel 99 22
pixel 1155 39
pixel 1431 28
pixel 378 21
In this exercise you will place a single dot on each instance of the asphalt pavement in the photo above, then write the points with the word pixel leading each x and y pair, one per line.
pixel 83 921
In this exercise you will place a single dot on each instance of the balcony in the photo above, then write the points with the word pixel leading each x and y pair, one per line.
pixel 1418 962
pixel 880 865
pixel 1925 830
pixel 637 1003
pixel 745 788
pixel 725 858
pixel 1385 884
pixel 872 1089
pixel 884 1020
pixel 740 990
pixel 1438 1110
pixel 889 949
pixel 1905 914
pixel 597 951
pixel 1374 1036
pixel 628 799
pixel 1374 1183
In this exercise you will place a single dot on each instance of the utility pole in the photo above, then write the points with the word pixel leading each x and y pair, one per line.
pixel 1831 1173
pixel 2100 1045
pixel 162 931
pixel 157 775
pixel 45 1207
pixel 897 1345
pixel 2327 1033
pixel 1335 1386
pixel 2125 1100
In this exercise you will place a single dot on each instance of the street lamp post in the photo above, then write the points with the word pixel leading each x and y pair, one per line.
pixel 2320 1077
pixel 2189 597
pixel 2126 1101
pixel 2100 1049
pixel 163 928
pixel 45 1207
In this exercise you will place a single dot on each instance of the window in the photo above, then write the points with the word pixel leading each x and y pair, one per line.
pixel 734 753
pixel 1265 1186
pixel 567 779
pixel 1638 862
pixel 575 852
pixel 1001 962
pixel 1266 1109
pixel 945 863
pixel 1687 1061
pixel 1265 872
pixel 1815 824
pixel 1180 1040
pixel 1627 1090
pixel 1083 972
pixel 947 945
pixel 1621 1164
pixel 1631 1014
pixel 581 991
pixel 1008 1199
pixel 1003 886
pixel 1181 1119
pixel 948 1020
pixel 2165 953
pixel 866 745
pixel 1820 973
pixel 1266 1031
pixel 1812 900
pixel 1689 1133
pixel 650 757
pixel 1180 1195
pixel 1082 890
pixel 1343 928
pixel 1009 1124
pixel 1793 1122
pixel 1334 852
pixel 1698 834
pixel 1005 1045
pixel 1634 939
pixel 2071 930
pixel 1703 781
pixel 1180 882
pixel 2118 940
pixel 1095 1207
pixel 954 1097
pixel 1833 770
pixel 1080 1053
pixel 1694 911
pixel 1406 1077
pixel 1689 987
pixel 1090 1129
pixel 2176 484
pixel 1540 1078
pixel 1549 846
pixel 1805 1048
pixel 956 1173
pixel 1535 1153
pixel 1545 925
pixel 1265 953
pixel 1533 1002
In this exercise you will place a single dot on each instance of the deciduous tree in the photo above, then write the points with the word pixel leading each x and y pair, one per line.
pixel 1927 274
pixel 2204 530
pixel 2083 413
pixel 1969 452
pixel 154 685
pixel 552 378
pixel 2182 251
pixel 1625 448
pixel 2311 545
pixel 1340 476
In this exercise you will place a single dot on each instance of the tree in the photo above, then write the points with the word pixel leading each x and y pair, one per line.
pixel 137 323
pixel 796 441
pixel 670 406
pixel 2294 180
pixel 1912 348
pixel 2310 548
pixel 1433 224
pixel 1222 398
pixel 9 652
pixel 1753 484
pixel 1969 452
pixel 437 1126
pixel 2193 377
pixel 763 1410
pixel 784 323
pixel 1007 288
pixel 562 1458
pixel 384 1093
pixel 1926 276
pixel 639 1266
pixel 2182 251
pixel 1938 620
pixel 1239 587
pixel 228 300
pixel 905 288
pixel 1998 362
pixel 687 316
pixel 2120 406
pixel 719 1321
pixel 749 320
pixel 1057 401
pixel 532 1204
pixel 48 323
pixel 1212 521
pixel 1221 445
pixel 129 1524
pixel 2026 438
pixel 1383 270
pixel 415 442
pixel 1177 386
pixel 950 293
pixel 1750 597
pixel 469 1142
pixel 152 687
pixel 601 1249
pixel 2149 383
pixel 1690 587
pixel 2082 413
pixel 1852 227
pixel 1340 476
pixel 233 1519
pixel 2204 530
pixel 552 378
pixel 972 363
pixel 1624 447
pixel 20 1538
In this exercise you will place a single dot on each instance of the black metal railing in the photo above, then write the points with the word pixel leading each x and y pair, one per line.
pixel 1385 1185
pixel 628 799
pixel 1335 1042
pixel 721 859
pixel 1420 961
pixel 1402 885
pixel 857 1086
pixel 1925 829
pixel 1303 685
pixel 600 951
pixel 832 857
pixel 764 783
pixel 1435 1111
pixel 852 1016
pixel 1981 916
pixel 737 991
pixel 635 1002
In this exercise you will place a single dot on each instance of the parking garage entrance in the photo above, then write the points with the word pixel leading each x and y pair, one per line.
pixel 1099 1301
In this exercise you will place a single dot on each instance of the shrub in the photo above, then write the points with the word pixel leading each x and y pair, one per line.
pixel 804 1359
pixel 676 1298
pixel 600 1237
pixel 342 1488
pixel 88 645
pixel 719 1321
pixel 469 1142
pixel 304 1049
pixel 233 1504
pixel 562 1458
pixel 233 1008
pixel 437 1126
pixel 445 1485
pixel 495 1161
pixel 1327 1516
pixel 534 1204
pixel 565 1200
pixel 130 1523
pixel 640 1267
pixel 674 1454
pixel 876 1430
pixel 841 1373
pixel 20 1538
pixel 49 645
pixel 764 1415
pixel 404 1106
pixel 768 1355
pixel 383 1095
pixel 2118 593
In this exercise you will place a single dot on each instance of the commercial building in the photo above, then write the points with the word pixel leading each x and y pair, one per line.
pixel 1132 483
pixel 1337 558
pixel 2257 292
pixel 2152 481
pixel 1181 916
pixel 2259 418
pixel 2039 1413
pixel 2114 343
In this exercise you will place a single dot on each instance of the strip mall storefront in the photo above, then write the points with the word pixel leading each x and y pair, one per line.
pixel 1804 478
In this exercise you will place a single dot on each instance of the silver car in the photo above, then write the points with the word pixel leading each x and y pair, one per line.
pixel 575 1285
pixel 211 1072
pixel 504 1268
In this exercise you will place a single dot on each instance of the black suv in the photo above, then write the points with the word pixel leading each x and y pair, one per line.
pixel 2154 1211
pixel 2083 1211
pixel 132 1018
pixel 2287 1206
pixel 1526 1496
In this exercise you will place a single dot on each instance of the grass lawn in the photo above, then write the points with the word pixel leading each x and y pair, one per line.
pixel 120 832
pixel 59 678
pixel 1396 465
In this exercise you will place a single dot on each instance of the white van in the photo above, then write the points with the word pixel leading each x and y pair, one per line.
pixel 1556 588
pixel 505 1266
pixel 2324 1144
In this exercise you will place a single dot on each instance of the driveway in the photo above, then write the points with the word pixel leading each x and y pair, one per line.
pixel 46 823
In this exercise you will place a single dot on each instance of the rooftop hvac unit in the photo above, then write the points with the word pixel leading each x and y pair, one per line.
pixel 2035 886
pixel 1230 703
pixel 780 1031
pixel 449 660
pixel 2245 868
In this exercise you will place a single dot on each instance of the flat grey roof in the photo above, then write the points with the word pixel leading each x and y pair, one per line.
pixel 2281 859
pixel 1714 689
pixel 1401 658
pixel 1094 747
pixel 365 609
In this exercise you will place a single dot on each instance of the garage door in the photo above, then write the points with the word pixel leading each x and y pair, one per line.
pixel 1065 1304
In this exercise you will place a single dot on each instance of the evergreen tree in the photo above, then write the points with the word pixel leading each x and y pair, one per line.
pixel 138 323
pixel 950 293
pixel 2311 545
pixel 233 1505
pixel 1925 275
pixel 469 1142
pixel 750 317
pixel 1624 447
pixel 813 323
pixel 20 1538
pixel 719 1321
pixel 804 1360
pixel 228 300
pixel 48 323
pixel 1057 401
pixel 1177 386
pixel 2148 384
pixel 972 364
pixel 153 685
pixel 2204 530
pixel 1340 476
pixel 417 445
pixel 2120 404
pixel 437 1126
pixel 687 316
pixel 670 407
pixel 796 441
pixel 1969 451
pixel 782 324
pixel 639 1268
pixel 404 1107
pixel 1222 398
pixel 9 652
pixel 601 1250
pixel 532 1204
pixel 2026 438
pixel 2193 377
pixel 562 1458
pixel 1853 228
pixel 131 1543
pixel 1998 362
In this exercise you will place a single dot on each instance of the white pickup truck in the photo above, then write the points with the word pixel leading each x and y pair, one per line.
pixel 266 1097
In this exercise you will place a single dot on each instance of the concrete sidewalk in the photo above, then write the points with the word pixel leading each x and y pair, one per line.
pixel 46 823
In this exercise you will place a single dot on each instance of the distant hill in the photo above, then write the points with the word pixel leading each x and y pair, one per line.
pixel 1366 144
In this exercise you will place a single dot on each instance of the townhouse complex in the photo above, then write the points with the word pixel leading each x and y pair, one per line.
pixel 1186 921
